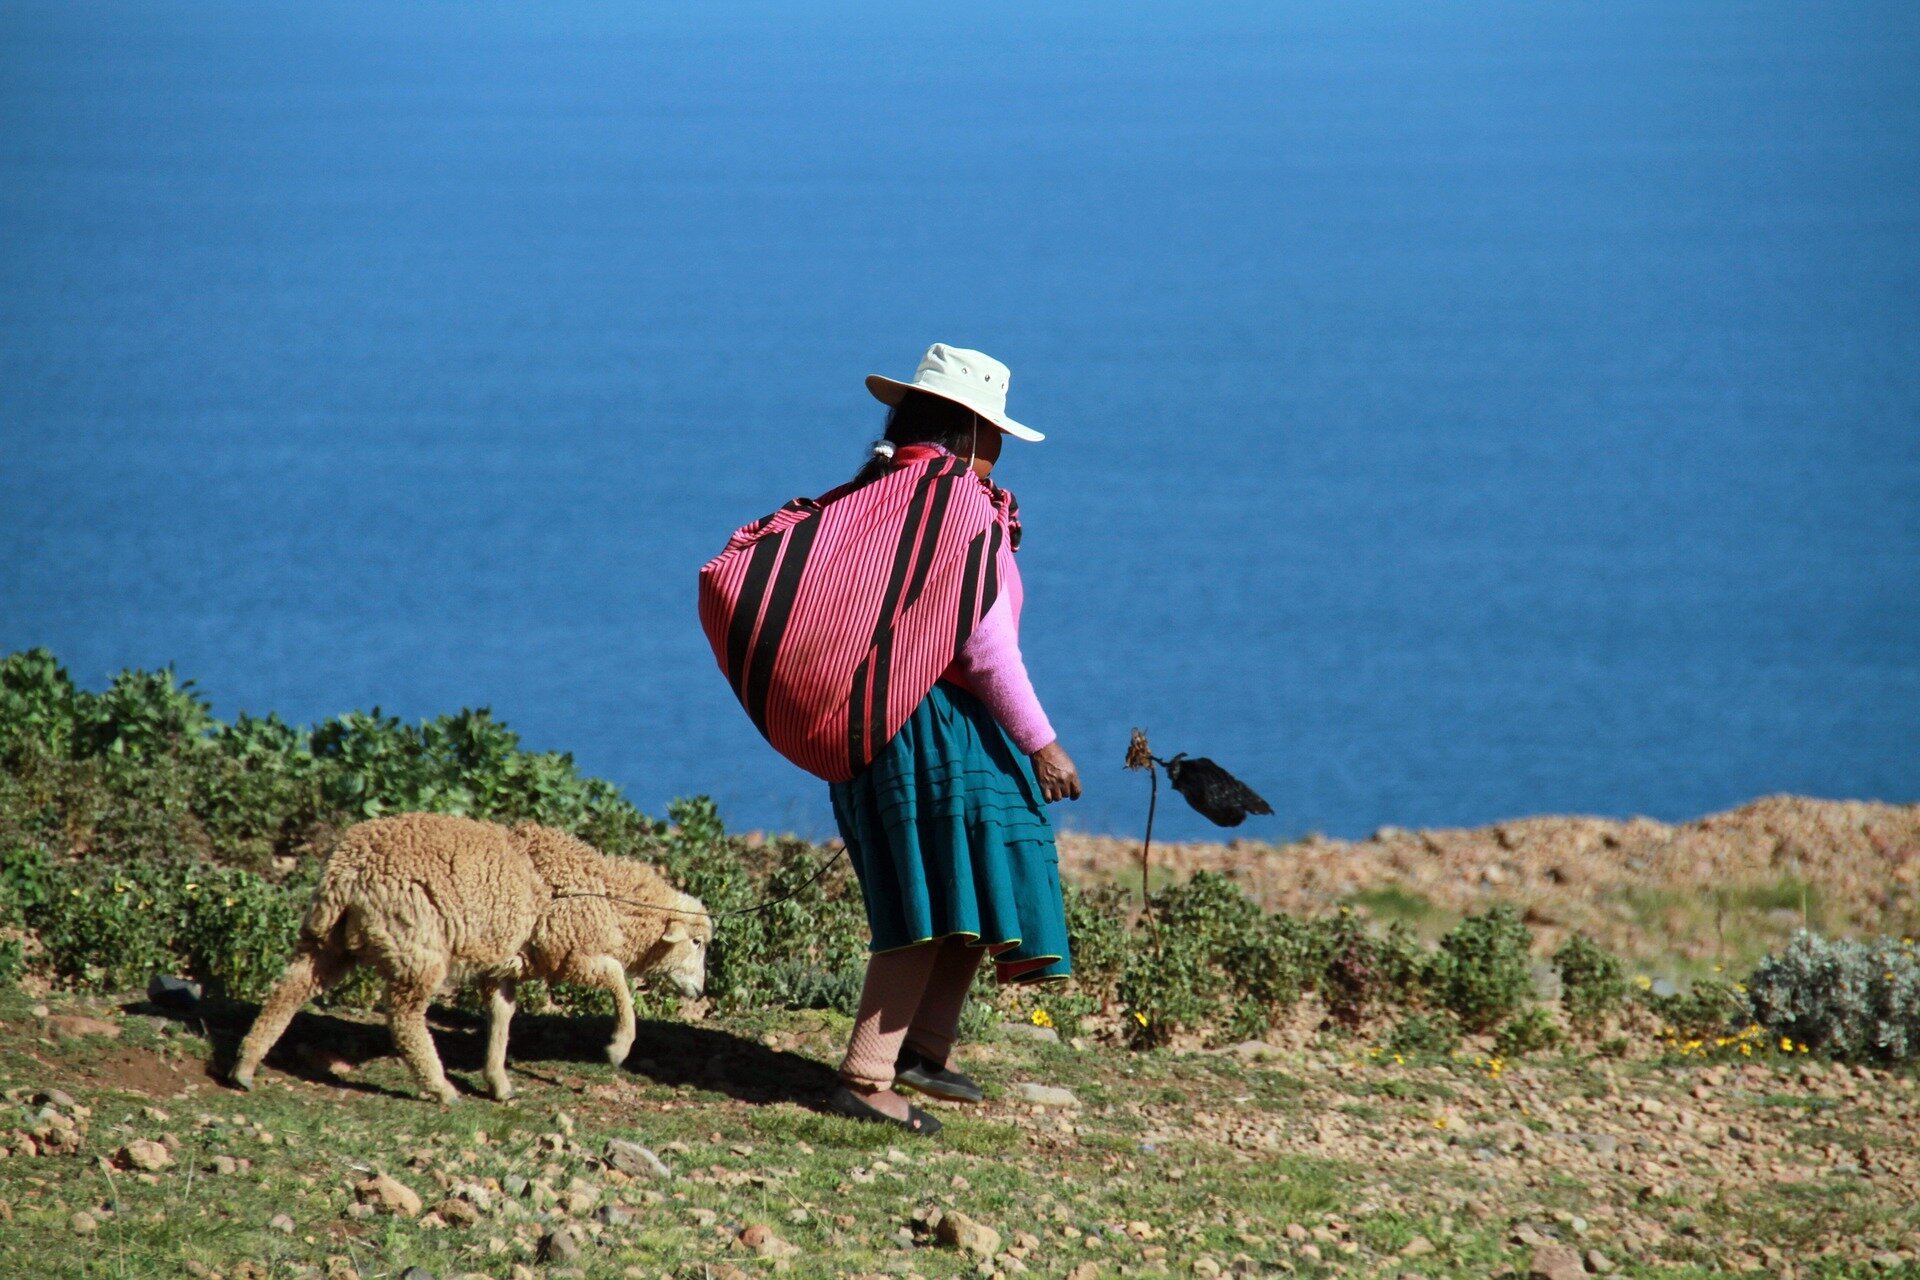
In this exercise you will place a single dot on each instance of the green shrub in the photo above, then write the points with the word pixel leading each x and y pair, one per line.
pixel 1710 1008
pixel 108 927
pixel 1592 984
pixel 1097 935
pixel 1357 972
pixel 142 716
pixel 37 705
pixel 239 930
pixel 1845 998
pixel 1424 1035
pixel 1483 972
pixel 1212 959
pixel 1528 1031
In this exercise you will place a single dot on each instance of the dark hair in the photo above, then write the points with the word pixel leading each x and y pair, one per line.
pixel 921 418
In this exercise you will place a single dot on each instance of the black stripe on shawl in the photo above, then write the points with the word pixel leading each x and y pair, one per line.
pixel 990 584
pixel 928 545
pixel 969 591
pixel 746 613
pixel 867 713
pixel 786 588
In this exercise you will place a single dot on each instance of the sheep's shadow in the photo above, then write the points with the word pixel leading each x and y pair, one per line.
pixel 327 1049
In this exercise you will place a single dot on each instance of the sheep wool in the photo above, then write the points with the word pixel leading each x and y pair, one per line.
pixel 428 899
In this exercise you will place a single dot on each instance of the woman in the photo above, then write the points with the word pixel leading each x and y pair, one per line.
pixel 872 635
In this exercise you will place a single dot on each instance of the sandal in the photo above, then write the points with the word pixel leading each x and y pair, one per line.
pixel 936 1080
pixel 844 1102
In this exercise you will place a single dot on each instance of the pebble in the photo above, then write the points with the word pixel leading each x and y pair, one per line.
pixel 143 1154
pixel 1045 1095
pixel 958 1231
pixel 282 1223
pixel 386 1194
pixel 1555 1262
pixel 83 1224
pixel 1028 1031
pixel 635 1160
pixel 559 1245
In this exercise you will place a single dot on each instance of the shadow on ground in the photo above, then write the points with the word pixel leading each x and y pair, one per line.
pixel 328 1049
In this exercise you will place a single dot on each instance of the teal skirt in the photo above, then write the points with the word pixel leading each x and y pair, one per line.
pixel 949 837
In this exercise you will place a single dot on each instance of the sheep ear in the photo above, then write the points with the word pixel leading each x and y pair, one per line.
pixel 676 932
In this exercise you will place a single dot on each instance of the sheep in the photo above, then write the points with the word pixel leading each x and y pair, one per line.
pixel 426 897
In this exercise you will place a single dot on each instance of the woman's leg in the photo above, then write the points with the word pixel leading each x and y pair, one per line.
pixel 938 1019
pixel 896 982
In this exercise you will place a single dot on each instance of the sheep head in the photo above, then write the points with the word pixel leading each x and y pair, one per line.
pixel 680 956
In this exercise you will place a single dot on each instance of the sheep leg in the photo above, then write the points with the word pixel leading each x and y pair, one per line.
pixel 608 972
pixel 499 994
pixel 407 998
pixel 313 969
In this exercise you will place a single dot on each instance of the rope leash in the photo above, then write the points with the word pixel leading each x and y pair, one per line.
pixel 792 893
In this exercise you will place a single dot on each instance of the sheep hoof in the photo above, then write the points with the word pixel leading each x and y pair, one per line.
pixel 446 1095
pixel 242 1080
pixel 617 1053
pixel 502 1091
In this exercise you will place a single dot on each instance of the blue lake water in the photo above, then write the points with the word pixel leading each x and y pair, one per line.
pixel 1456 411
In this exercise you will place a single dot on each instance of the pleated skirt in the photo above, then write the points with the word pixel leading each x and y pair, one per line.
pixel 949 837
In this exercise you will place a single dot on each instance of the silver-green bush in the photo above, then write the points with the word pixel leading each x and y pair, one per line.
pixel 1847 999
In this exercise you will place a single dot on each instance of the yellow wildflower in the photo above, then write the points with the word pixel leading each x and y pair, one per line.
pixel 1140 1017
pixel 1041 1018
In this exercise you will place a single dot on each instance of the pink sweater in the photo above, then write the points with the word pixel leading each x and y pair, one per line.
pixel 990 667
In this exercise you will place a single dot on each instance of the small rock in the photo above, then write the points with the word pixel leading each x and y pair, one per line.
pixel 958 1231
pixel 1555 1262
pixel 388 1195
pixel 1254 1051
pixel 83 1224
pixel 615 1215
pixel 223 1165
pixel 417 1273
pixel 1027 1031
pixel 560 1245
pixel 1085 1271
pixel 143 1154
pixel 175 994
pixel 282 1223
pixel 1205 1266
pixel 55 1098
pixel 1598 1263
pixel 456 1212
pixel 1045 1095
pixel 1417 1247
pixel 635 1160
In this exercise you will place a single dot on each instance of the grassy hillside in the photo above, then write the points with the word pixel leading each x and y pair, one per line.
pixel 1426 1063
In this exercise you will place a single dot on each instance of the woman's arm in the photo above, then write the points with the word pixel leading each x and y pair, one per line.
pixel 997 674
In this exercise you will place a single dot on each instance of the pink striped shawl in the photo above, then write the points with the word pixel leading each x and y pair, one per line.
pixel 833 616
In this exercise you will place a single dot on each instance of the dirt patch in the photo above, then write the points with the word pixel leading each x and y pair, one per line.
pixel 138 1070
pixel 1641 886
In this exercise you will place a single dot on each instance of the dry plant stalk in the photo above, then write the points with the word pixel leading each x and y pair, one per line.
pixel 1140 756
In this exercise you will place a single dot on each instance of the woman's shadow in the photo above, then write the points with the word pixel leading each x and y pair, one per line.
pixel 328 1049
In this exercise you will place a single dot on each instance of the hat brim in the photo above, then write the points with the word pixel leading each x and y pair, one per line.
pixel 889 391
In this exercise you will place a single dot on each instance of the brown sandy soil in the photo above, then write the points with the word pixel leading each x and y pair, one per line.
pixel 1721 888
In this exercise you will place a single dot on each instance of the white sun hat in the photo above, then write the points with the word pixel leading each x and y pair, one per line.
pixel 970 378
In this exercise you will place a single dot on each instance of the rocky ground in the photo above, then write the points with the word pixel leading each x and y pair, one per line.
pixel 1722 889
pixel 703 1157
pixel 121 1153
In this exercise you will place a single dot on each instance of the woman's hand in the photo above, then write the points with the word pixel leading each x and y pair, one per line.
pixel 1059 777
